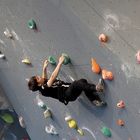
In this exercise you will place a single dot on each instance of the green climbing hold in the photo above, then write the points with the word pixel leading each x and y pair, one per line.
pixel 67 59
pixel 52 60
pixel 7 118
pixel 31 24
pixel 106 131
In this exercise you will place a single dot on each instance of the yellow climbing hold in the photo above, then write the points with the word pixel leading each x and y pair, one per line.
pixel 80 131
pixel 8 118
pixel 72 124
pixel 26 61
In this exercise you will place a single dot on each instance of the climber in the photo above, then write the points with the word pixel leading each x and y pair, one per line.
pixel 65 92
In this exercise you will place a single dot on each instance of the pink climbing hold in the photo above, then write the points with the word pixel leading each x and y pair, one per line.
pixel 138 56
pixel 103 38
pixel 121 104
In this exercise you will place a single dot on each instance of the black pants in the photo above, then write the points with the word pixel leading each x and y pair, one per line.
pixel 76 88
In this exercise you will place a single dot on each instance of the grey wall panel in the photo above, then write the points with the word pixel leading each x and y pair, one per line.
pixel 73 27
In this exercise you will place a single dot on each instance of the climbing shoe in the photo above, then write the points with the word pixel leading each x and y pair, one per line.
pixel 99 103
pixel 100 86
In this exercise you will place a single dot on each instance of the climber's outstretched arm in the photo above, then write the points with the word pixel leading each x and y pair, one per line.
pixel 55 72
pixel 44 69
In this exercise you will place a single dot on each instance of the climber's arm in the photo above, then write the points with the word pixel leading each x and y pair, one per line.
pixel 55 72
pixel 44 69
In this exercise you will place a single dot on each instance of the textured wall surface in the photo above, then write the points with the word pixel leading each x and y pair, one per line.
pixel 73 26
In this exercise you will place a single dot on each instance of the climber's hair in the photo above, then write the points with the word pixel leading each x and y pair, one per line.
pixel 32 84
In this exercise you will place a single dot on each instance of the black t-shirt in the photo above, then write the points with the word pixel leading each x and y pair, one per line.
pixel 56 91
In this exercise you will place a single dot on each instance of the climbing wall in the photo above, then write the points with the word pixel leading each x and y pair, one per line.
pixel 72 27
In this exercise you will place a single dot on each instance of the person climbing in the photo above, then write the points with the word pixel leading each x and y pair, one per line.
pixel 63 91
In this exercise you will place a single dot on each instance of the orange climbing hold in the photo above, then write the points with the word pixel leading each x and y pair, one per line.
pixel 120 122
pixel 95 66
pixel 107 75
pixel 121 104
pixel 103 38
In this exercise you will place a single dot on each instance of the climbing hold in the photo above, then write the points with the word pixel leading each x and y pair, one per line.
pixel 103 38
pixel 67 59
pixel 40 103
pixel 73 124
pixel 138 56
pixel 47 113
pixel 121 104
pixel 107 75
pixel 26 61
pixel 8 34
pixel 32 24
pixel 70 121
pixel 68 118
pixel 2 56
pixel 52 60
pixel 95 66
pixel 8 118
pixel 51 130
pixel 106 131
pixel 21 122
pixel 80 131
pixel 120 122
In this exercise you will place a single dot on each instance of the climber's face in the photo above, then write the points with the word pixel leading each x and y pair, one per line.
pixel 40 80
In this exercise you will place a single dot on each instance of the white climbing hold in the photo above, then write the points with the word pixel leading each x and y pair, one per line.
pixel 8 34
pixel 21 122
pixel 2 56
pixel 68 118
pixel 51 130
